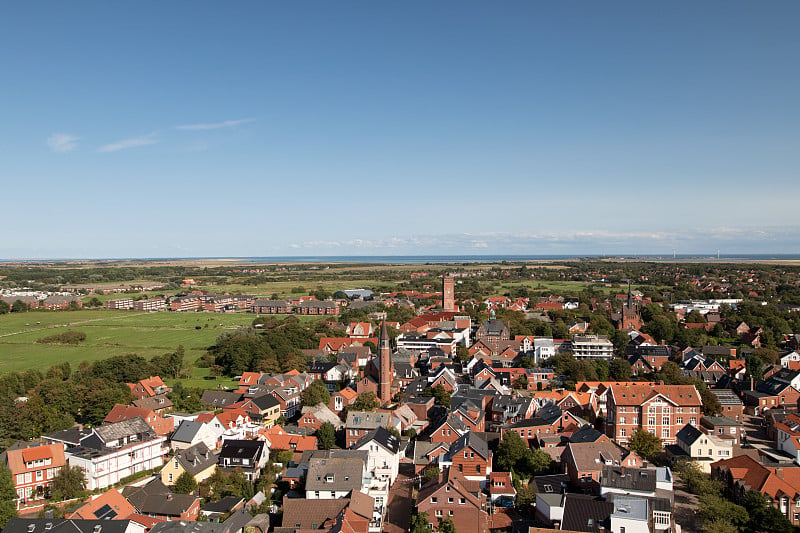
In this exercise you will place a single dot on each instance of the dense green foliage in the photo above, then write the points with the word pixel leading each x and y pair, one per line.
pixel 68 337
pixel 315 394
pixel 69 483
pixel 185 484
pixel 513 454
pixel 645 444
pixel 8 496
pixel 326 436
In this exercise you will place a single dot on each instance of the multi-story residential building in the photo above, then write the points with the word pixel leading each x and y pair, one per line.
pixel 592 347
pixel 148 387
pixel 149 304
pixel 121 303
pixel 334 477
pixel 660 409
pixel 33 470
pixel 115 451
pixel 186 303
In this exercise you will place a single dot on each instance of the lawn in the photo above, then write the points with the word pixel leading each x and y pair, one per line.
pixel 109 333
pixel 201 379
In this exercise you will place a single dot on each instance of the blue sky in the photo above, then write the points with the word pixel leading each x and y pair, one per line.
pixel 170 129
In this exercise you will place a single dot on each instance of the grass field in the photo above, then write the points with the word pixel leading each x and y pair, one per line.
pixel 109 333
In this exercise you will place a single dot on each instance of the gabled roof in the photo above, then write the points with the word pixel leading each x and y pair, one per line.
pixel 381 436
pixel 156 499
pixel 196 458
pixel 688 434
pixel 473 442
pixel 186 431
pixel 111 505
pixel 334 474
pixel 244 449
pixel 583 513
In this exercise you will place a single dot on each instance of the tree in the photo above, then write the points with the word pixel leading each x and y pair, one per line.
pixel 620 369
pixel 645 443
pixel 326 436
pixel 8 496
pixel 713 507
pixel 537 462
pixel 430 472
pixel 446 526
pixel 420 524
pixel 511 450
pixel 4 307
pixel 462 353
pixel 711 405
pixel 185 484
pixel 19 306
pixel 442 396
pixel 69 483
pixel 764 518
pixel 315 394
pixel 366 401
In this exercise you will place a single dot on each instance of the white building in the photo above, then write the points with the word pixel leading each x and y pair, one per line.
pixel 592 347
pixel 115 451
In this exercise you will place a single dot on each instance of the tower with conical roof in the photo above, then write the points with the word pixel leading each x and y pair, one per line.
pixel 385 367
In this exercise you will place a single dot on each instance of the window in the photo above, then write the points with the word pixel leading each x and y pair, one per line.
pixel 169 477
pixel 438 512
pixel 693 421
pixel 449 500
pixel 665 433
pixel 451 513
pixel 651 421
pixel 622 432
pixel 664 420
pixel 39 475
pixel 679 420
pixel 466 454
pixel 434 499
pixel 477 469
pixel 622 420
pixel 462 501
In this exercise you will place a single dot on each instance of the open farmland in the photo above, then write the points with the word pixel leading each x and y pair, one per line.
pixel 108 333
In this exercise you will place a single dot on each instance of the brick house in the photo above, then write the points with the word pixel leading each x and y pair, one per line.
pixel 33 470
pixel 781 485
pixel 661 409
pixel 148 387
pixel 457 498
pixel 470 456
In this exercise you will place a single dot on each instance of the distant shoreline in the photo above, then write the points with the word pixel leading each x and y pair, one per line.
pixel 409 260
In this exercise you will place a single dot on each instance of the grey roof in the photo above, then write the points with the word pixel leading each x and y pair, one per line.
pixel 236 521
pixel 60 525
pixel 334 474
pixel 720 421
pixel 124 428
pixel 196 458
pixel 688 434
pixel 638 479
pixel 242 449
pixel 223 505
pixel 494 327
pixel 726 397
pixel 585 514
pixel 220 398
pixel 629 507
pixel 187 430
pixel 382 437
pixel 266 401
pixel 368 419
pixel 71 436
pixel 585 434
pixel 156 499
pixel 183 526
pixel 471 440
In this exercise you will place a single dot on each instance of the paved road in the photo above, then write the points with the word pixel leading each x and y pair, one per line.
pixel 398 517
pixel 686 505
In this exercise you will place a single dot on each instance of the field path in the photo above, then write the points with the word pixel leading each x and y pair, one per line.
pixel 51 326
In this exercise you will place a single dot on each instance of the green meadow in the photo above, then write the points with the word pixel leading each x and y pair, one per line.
pixel 108 333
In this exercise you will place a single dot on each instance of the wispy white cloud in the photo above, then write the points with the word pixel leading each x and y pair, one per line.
pixel 133 142
pixel 62 143
pixel 589 242
pixel 215 125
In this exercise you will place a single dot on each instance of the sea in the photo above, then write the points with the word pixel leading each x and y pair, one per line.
pixel 449 259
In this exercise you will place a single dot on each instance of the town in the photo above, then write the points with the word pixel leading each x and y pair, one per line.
pixel 597 396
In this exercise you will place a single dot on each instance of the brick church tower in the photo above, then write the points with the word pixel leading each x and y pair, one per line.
pixel 385 367
pixel 448 293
